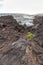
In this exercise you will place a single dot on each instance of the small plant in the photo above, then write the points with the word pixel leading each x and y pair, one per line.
pixel 30 35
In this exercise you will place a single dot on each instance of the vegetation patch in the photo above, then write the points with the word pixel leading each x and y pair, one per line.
pixel 30 35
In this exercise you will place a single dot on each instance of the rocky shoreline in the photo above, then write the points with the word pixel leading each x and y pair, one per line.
pixel 15 47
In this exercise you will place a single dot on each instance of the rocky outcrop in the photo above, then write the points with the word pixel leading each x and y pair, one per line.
pixel 15 47
pixel 12 42
pixel 38 39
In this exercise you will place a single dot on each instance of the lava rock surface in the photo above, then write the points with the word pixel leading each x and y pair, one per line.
pixel 12 42
pixel 38 39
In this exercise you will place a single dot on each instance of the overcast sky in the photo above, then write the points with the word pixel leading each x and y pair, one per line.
pixel 21 6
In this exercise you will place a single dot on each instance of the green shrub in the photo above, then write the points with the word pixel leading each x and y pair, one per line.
pixel 30 35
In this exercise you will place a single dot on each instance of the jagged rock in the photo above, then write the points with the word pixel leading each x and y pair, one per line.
pixel 37 42
pixel 15 48
pixel 13 52
pixel 40 59
pixel 12 42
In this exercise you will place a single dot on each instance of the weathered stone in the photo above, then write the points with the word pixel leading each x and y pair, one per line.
pixel 38 40
pixel 12 42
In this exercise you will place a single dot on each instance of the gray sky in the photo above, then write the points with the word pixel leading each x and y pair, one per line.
pixel 21 6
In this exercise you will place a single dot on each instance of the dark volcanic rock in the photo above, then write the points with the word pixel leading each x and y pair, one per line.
pixel 38 40
pixel 12 54
pixel 15 48
pixel 12 42
pixel 40 58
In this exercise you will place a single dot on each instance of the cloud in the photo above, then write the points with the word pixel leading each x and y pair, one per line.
pixel 22 6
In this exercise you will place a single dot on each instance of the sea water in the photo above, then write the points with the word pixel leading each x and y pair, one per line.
pixel 21 18
pixel 24 19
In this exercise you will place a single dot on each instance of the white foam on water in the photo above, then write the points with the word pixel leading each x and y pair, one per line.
pixel 24 19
